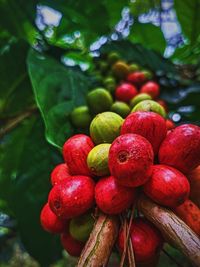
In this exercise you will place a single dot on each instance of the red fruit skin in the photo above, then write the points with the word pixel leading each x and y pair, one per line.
pixel 50 222
pixel 151 88
pixel 150 125
pixel 73 197
pixel 130 160
pixel 190 214
pixel 163 104
pixel 170 125
pixel 75 152
pixel 167 186
pixel 181 148
pixel 137 78
pixel 194 179
pixel 125 92
pixel 146 240
pixel 60 173
pixel 71 245
pixel 111 197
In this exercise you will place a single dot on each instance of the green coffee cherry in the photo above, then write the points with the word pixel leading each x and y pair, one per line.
pixel 81 117
pixel 133 67
pixel 148 74
pixel 138 98
pixel 121 108
pixel 150 105
pixel 81 227
pixel 105 127
pixel 120 69
pixel 113 57
pixel 110 84
pixel 99 100
pixel 97 160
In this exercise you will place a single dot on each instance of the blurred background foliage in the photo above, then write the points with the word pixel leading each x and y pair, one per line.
pixel 48 51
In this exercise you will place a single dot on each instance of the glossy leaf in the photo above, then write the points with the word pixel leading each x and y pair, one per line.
pixel 57 90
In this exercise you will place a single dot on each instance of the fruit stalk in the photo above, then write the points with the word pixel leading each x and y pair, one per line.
pixel 100 243
pixel 175 231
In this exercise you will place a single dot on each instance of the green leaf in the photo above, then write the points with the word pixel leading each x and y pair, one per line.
pixel 148 35
pixel 15 88
pixel 188 15
pixel 17 17
pixel 57 90
pixel 26 161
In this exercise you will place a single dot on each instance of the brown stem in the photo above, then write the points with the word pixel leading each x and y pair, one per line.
pixel 174 230
pixel 100 243
pixel 15 121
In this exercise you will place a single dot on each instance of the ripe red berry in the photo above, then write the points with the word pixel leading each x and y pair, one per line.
pixel 125 92
pixel 50 222
pixel 150 125
pixel 170 125
pixel 181 148
pixel 71 245
pixel 75 152
pixel 60 173
pixel 137 78
pixel 72 197
pixel 111 197
pixel 146 240
pixel 167 186
pixel 131 159
pixel 151 88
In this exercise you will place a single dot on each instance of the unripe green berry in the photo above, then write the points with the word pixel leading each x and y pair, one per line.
pixel 99 100
pixel 148 74
pixel 97 160
pixel 113 57
pixel 133 67
pixel 121 108
pixel 150 105
pixel 81 117
pixel 138 98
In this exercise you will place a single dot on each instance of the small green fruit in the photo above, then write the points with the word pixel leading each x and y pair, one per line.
pixel 81 227
pixel 105 127
pixel 138 98
pixel 148 74
pixel 121 108
pixel 120 69
pixel 113 57
pixel 110 84
pixel 150 105
pixel 97 160
pixel 103 66
pixel 81 117
pixel 133 67
pixel 99 100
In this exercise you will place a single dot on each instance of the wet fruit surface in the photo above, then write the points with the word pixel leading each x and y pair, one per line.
pixel 131 159
pixel 167 186
pixel 125 92
pixel 60 173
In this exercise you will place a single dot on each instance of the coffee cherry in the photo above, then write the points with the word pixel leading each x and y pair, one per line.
pixel 150 105
pixel 181 148
pixel 81 227
pixel 194 179
pixel 167 186
pixel 71 245
pixel 138 98
pixel 105 127
pixel 170 124
pixel 60 173
pixel 151 88
pixel 50 222
pixel 120 69
pixel 81 117
pixel 75 152
pixel 125 92
pixel 130 160
pixel 97 160
pixel 137 78
pixel 73 197
pixel 148 74
pixel 133 67
pixel 150 125
pixel 99 100
pixel 113 57
pixel 146 240
pixel 113 198
pixel 163 104
pixel 120 108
